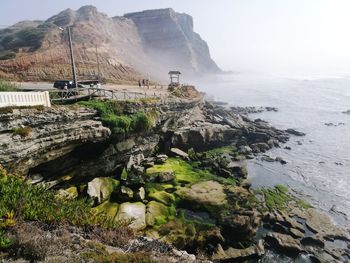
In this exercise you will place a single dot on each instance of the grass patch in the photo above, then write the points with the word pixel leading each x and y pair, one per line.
pixel 23 132
pixel 184 172
pixel 111 113
pixel 7 86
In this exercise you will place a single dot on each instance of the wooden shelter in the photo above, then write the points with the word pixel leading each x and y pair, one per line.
pixel 174 78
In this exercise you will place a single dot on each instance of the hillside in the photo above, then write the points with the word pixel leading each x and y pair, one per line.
pixel 147 43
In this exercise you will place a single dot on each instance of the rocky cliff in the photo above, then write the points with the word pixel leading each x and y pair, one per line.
pixel 145 43
pixel 198 200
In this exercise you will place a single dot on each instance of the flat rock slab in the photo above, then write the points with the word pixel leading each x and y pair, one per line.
pixel 205 193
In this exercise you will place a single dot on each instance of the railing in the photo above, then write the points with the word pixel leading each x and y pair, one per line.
pixel 89 93
pixel 18 99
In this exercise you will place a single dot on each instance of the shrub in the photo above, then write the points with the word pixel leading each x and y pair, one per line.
pixel 36 203
pixel 141 122
pixel 112 116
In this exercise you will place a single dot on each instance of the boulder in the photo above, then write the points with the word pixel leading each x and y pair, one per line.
pixel 140 194
pixel 204 195
pixel 108 208
pixel 295 132
pixel 132 214
pixel 156 213
pixel 101 188
pixel 259 147
pixel 180 153
pixel 160 159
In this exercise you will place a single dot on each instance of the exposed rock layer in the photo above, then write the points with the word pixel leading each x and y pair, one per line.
pixel 152 42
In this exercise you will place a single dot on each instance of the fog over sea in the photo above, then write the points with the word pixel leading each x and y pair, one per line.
pixel 318 167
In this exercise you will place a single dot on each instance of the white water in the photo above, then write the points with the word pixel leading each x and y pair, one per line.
pixel 305 104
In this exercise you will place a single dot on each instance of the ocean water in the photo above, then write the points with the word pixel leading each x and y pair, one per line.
pixel 318 167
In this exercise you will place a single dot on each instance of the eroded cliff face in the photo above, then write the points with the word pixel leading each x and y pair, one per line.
pixel 56 142
pixel 126 48
pixel 168 37
pixel 30 137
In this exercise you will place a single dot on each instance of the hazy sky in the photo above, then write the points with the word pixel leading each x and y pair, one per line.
pixel 299 36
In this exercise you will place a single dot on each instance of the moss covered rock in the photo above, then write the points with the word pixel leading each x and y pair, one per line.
pixel 162 197
pixel 132 214
pixel 156 213
pixel 184 172
pixel 208 195
pixel 108 208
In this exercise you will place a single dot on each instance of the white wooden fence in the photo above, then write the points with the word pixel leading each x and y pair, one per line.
pixel 8 99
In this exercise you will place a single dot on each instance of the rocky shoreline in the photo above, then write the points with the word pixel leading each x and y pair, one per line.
pixel 183 183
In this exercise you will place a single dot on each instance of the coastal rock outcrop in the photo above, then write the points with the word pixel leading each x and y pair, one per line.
pixel 30 137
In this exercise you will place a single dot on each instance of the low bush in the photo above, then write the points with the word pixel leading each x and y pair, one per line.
pixel 22 201
pixel 7 86
pixel 112 116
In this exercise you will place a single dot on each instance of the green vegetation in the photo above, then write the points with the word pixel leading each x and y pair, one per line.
pixel 7 86
pixel 30 37
pixel 279 198
pixel 23 132
pixel 21 201
pixel 112 116
pixel 184 172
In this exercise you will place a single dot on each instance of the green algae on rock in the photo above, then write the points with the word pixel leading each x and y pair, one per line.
pixel 184 172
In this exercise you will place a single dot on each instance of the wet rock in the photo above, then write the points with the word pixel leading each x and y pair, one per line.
pixel 101 188
pixel 313 241
pixel 280 160
pixel 239 254
pixel 133 214
pixel 258 137
pixel 295 132
pixel 271 109
pixel 285 243
pixel 245 150
pixel 267 158
pixel 259 147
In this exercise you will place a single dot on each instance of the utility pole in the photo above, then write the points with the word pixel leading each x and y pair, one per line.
pixel 98 66
pixel 72 60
